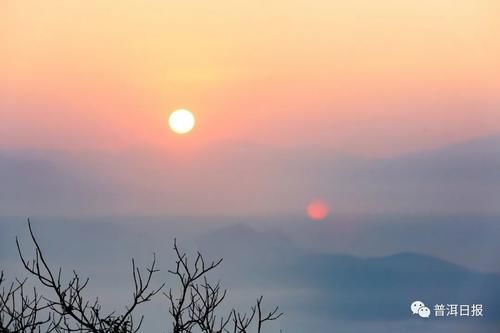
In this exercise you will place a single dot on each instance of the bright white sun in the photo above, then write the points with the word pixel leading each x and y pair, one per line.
pixel 181 121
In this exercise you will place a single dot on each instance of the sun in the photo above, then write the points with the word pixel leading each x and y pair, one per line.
pixel 181 121
pixel 318 210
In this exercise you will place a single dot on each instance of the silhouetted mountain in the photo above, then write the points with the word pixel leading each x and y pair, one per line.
pixel 354 288
pixel 321 289
pixel 250 180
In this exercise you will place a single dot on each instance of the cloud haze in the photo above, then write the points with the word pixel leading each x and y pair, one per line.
pixel 248 179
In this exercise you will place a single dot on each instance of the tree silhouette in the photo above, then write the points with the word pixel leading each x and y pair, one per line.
pixel 20 311
pixel 197 300
pixel 193 304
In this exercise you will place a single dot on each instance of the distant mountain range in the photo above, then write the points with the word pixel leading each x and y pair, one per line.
pixel 348 287
pixel 234 179
pixel 333 288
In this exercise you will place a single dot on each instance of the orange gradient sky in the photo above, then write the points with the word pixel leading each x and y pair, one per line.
pixel 369 77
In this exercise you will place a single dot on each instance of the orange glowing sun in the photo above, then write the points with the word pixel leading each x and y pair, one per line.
pixel 317 210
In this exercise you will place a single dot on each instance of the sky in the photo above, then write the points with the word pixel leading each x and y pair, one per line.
pixel 370 106
pixel 374 78
pixel 386 111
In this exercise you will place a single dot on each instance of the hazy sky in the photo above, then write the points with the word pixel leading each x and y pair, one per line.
pixel 362 76
pixel 386 110
pixel 295 101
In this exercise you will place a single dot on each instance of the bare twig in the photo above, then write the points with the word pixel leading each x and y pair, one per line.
pixel 76 312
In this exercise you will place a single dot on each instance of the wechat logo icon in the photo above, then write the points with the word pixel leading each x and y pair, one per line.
pixel 419 308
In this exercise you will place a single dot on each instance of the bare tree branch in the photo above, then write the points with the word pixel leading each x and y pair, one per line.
pixel 20 311
pixel 195 306
pixel 198 300
pixel 78 313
